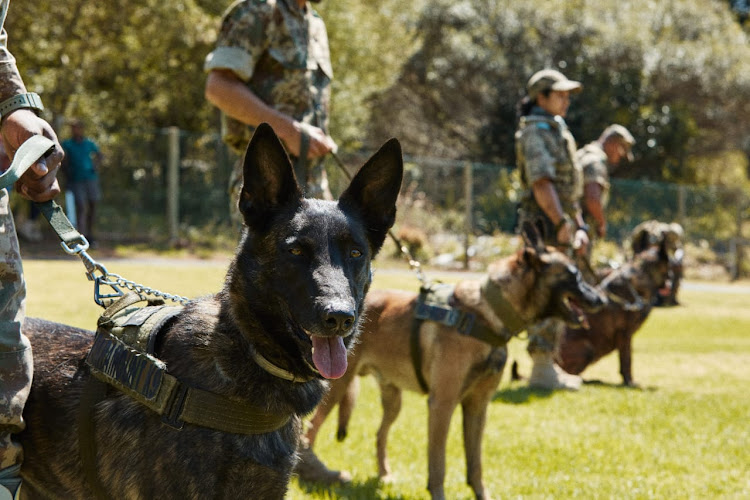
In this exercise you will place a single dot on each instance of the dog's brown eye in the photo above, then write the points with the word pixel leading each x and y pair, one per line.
pixel 355 254
pixel 295 251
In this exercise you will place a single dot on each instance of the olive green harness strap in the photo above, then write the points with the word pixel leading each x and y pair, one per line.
pixel 415 349
pixel 123 357
pixel 435 304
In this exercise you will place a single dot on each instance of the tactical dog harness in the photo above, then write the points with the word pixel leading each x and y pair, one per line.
pixel 123 356
pixel 437 302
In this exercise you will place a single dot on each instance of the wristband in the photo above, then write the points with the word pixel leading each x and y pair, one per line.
pixel 584 227
pixel 29 100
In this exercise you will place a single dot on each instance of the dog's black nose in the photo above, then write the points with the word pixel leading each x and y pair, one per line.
pixel 339 320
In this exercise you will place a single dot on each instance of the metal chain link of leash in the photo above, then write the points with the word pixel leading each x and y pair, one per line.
pixel 97 273
pixel 73 242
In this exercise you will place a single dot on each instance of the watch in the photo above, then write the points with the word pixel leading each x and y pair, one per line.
pixel 29 100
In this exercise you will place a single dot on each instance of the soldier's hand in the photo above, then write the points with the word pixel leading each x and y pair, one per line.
pixel 581 242
pixel 320 143
pixel 565 235
pixel 39 183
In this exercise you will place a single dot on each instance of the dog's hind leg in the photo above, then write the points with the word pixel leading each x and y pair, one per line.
pixel 390 399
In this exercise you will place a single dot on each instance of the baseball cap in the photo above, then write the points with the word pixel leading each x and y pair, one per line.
pixel 550 79
pixel 621 133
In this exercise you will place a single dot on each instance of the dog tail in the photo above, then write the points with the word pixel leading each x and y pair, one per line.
pixel 514 375
pixel 346 407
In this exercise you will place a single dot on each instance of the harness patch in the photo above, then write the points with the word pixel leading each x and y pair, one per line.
pixel 126 366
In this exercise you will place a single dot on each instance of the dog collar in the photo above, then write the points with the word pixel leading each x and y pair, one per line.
pixel 504 310
pixel 277 371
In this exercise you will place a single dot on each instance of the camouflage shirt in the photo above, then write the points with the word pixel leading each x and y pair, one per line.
pixel 281 52
pixel 10 81
pixel 653 232
pixel 593 161
pixel 545 148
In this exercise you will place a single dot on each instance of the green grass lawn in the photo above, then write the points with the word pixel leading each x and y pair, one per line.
pixel 684 434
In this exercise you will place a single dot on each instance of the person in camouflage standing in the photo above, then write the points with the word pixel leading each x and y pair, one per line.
pixel 272 64
pixel 597 160
pixel 552 184
pixel 19 121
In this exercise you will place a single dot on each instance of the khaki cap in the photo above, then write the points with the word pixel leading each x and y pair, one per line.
pixel 619 132
pixel 550 79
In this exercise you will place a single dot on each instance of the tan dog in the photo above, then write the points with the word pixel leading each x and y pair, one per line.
pixel 535 283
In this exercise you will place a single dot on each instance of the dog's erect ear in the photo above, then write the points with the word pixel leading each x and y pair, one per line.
pixel 531 237
pixel 374 190
pixel 268 178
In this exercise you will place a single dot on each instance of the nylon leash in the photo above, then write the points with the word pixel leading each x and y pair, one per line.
pixel 72 241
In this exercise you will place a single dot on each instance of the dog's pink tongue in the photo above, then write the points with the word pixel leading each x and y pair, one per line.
pixel 329 356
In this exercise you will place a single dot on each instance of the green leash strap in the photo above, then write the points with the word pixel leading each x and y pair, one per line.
pixel 29 153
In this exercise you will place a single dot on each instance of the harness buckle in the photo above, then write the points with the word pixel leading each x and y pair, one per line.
pixel 176 403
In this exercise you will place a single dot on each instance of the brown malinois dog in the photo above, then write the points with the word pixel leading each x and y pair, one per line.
pixel 289 311
pixel 534 283
pixel 631 290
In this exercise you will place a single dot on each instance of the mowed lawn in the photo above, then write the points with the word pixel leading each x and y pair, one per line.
pixel 684 434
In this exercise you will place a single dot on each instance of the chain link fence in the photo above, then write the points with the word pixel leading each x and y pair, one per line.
pixel 461 197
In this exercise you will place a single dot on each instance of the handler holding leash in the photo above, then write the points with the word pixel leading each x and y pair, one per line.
pixel 553 185
pixel 19 121
pixel 272 64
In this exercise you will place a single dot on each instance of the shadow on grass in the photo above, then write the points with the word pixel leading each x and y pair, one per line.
pixel 610 385
pixel 522 394
pixel 356 490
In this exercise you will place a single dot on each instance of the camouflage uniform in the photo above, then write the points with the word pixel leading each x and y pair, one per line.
pixel 594 163
pixel 281 53
pixel 545 148
pixel 16 365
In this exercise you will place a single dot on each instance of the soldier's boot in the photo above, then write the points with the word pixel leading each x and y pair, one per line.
pixel 546 374
pixel 10 483
pixel 311 469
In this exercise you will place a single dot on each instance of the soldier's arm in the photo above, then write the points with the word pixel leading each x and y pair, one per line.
pixel 545 195
pixel 39 183
pixel 592 199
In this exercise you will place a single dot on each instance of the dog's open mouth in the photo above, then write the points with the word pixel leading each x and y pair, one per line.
pixel 329 355
pixel 576 316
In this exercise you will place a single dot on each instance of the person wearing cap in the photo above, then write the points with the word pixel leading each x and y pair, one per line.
pixel 598 159
pixel 552 183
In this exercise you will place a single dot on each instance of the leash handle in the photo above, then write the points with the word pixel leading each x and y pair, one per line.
pixel 30 152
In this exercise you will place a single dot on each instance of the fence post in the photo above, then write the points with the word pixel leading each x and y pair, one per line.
pixel 469 197
pixel 173 183
pixel 681 195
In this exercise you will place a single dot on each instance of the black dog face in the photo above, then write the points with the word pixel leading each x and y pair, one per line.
pixel 304 263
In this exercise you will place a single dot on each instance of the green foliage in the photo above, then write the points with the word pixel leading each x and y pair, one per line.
pixel 676 73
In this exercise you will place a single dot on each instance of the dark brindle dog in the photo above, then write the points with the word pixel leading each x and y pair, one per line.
pixel 290 309
pixel 535 283
pixel 631 289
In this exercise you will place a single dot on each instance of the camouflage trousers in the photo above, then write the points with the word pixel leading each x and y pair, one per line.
pixel 16 365
pixel 316 184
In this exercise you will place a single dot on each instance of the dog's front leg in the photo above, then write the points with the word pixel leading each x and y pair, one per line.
pixel 440 413
pixel 474 408
pixel 625 352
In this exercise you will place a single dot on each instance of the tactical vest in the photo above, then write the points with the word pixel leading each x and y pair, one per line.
pixel 559 144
